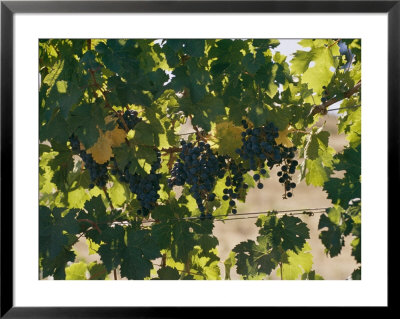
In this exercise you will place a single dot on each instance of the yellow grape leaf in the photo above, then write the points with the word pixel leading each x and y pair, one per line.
pixel 229 138
pixel 283 139
pixel 101 150
pixel 116 136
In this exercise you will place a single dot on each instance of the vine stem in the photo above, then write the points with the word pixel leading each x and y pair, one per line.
pixel 337 41
pixel 94 225
pixel 115 274
pixel 172 149
pixel 97 274
pixel 187 268
pixel 198 134
pixel 182 271
pixel 164 260
pixel 322 107
pixel 107 104
pixel 281 266
pixel 108 197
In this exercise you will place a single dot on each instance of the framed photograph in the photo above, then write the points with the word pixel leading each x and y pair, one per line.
pixel 160 155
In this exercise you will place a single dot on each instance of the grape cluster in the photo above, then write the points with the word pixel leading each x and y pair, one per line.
pixel 131 119
pixel 259 148
pixel 234 183
pixel 198 167
pixel 145 186
pixel 287 169
pixel 98 172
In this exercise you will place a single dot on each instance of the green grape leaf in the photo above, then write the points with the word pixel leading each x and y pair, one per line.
pixel 205 111
pixel 288 232
pixel 229 263
pixel 315 65
pixel 57 129
pixel 118 193
pixel 316 174
pixel 85 121
pixel 195 47
pixel 56 266
pixel 331 238
pixel 97 271
pixel 297 264
pixel 141 239
pixel 57 234
pixel 253 63
pixel 112 250
pixel 207 242
pixel 205 266
pixel 96 210
pixel 354 128
pixel 125 155
pixel 168 273
pixel 52 228
pixel 77 198
pixel 134 266
pixel 143 134
pixel 64 96
pixel 178 234
pixel 183 240
pixel 342 190
pixel 253 259
pixel 311 149
pixel 356 275
pixel 76 271
pixel 140 249
pixel 51 78
pixel 258 114
pixel 294 233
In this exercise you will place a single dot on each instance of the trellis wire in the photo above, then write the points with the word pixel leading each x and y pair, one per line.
pixel 307 211
pixel 344 107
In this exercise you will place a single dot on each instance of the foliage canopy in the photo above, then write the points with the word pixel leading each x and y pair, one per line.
pixel 111 115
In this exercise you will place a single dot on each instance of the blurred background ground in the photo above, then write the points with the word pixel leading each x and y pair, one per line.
pixel 231 233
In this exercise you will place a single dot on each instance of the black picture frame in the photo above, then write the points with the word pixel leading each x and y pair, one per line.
pixel 9 8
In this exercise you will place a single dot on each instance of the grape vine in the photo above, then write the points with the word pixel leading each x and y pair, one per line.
pixel 145 144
